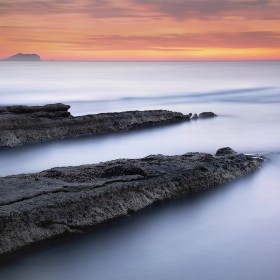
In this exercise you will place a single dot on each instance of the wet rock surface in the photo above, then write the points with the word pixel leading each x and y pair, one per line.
pixel 203 115
pixel 207 115
pixel 30 124
pixel 40 206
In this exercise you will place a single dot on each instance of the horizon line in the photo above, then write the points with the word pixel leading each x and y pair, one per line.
pixel 212 60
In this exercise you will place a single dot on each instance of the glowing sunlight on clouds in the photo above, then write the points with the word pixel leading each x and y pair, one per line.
pixel 141 29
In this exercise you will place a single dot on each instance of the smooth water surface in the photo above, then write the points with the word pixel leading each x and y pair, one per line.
pixel 246 96
pixel 227 233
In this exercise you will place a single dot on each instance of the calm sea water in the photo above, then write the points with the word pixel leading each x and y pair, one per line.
pixel 227 233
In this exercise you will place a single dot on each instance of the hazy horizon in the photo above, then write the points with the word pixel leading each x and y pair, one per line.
pixel 205 60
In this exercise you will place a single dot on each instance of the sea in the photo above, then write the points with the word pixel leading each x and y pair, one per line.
pixel 230 232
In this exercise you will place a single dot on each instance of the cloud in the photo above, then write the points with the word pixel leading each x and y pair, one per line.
pixel 91 8
pixel 170 42
pixel 131 25
pixel 176 9
pixel 31 6
pixel 191 40
pixel 215 9
pixel 13 27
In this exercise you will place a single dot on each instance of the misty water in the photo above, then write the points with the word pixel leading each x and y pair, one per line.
pixel 231 232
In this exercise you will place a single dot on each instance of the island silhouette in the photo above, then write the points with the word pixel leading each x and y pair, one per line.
pixel 24 57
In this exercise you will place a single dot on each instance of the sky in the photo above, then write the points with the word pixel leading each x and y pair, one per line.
pixel 141 29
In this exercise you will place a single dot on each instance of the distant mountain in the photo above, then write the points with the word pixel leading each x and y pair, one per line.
pixel 24 57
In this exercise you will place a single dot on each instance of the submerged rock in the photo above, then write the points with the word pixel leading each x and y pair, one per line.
pixel 30 124
pixel 35 207
pixel 206 115
pixel 195 117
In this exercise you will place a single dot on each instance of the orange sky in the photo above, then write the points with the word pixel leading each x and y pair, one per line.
pixel 141 29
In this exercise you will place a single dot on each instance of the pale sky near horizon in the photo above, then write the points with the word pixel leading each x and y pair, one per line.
pixel 141 29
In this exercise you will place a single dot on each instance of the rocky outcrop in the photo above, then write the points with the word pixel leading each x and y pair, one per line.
pixel 206 115
pixel 24 124
pixel 21 109
pixel 225 151
pixel 195 117
pixel 35 207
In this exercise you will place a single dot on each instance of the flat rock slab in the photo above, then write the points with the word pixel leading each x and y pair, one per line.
pixel 23 124
pixel 31 124
pixel 40 206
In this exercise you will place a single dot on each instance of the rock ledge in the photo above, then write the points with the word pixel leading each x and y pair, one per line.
pixel 23 124
pixel 40 206
pixel 31 124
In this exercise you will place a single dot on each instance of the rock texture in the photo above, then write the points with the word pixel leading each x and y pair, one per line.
pixel 203 115
pixel 225 151
pixel 24 124
pixel 207 115
pixel 35 207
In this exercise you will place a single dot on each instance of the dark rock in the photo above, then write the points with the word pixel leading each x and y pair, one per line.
pixel 51 115
pixel 35 207
pixel 206 115
pixel 31 124
pixel 225 151
pixel 21 109
pixel 195 117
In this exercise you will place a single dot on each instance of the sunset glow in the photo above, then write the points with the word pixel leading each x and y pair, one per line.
pixel 141 29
